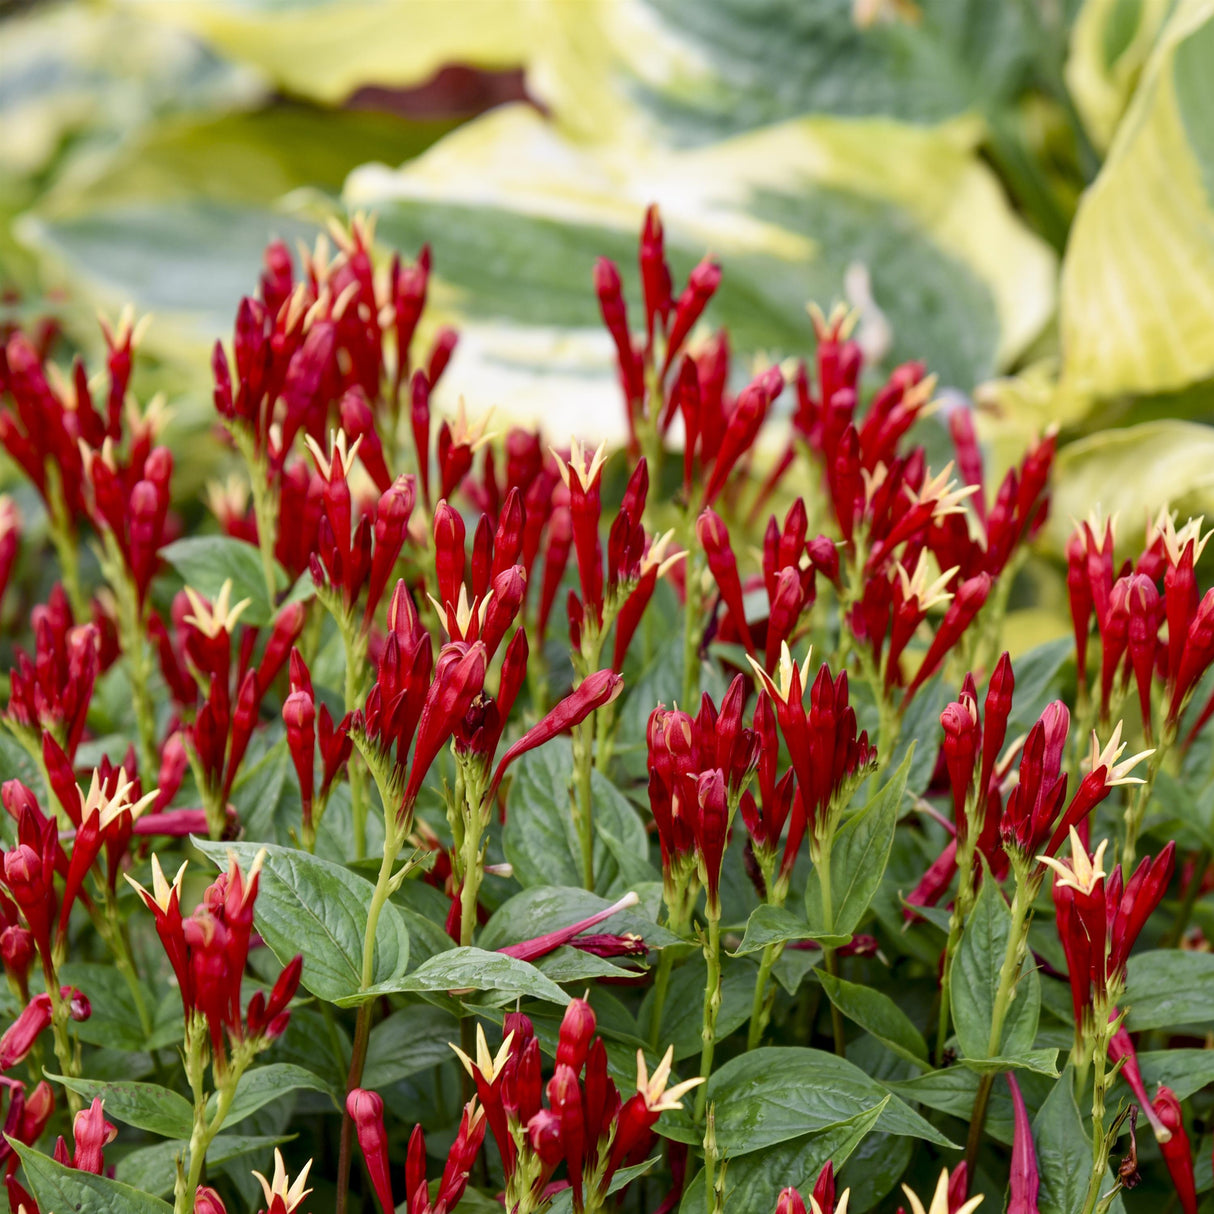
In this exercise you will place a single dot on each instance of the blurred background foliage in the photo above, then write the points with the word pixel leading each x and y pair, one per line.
pixel 1020 192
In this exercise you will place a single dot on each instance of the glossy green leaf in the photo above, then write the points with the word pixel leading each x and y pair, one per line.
pixel 474 969
pixel 205 562
pixel 952 1091
pixel 263 1084
pixel 754 1181
pixel 410 1040
pixel 145 1105
pixel 683 1011
pixel 1064 1154
pixel 308 905
pixel 857 860
pixel 1185 1071
pixel 58 1188
pixel 778 925
pixel 772 1094
pixel 1168 988
pixel 540 838
pixel 975 982
pixel 876 1013
pixel 152 1168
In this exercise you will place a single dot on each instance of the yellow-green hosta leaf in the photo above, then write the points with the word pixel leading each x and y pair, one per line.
pixel 88 73
pixel 1132 473
pixel 326 49
pixel 1110 43
pixel 1137 295
pixel 517 213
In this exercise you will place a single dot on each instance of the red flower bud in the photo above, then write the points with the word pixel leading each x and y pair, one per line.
pixel 366 1110
pixel 207 1201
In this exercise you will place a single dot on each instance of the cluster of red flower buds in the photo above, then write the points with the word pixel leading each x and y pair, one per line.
pixel 91 1134
pixel 1037 817
pixel 1131 612
pixel 645 365
pixel 585 1124
pixel 635 560
pixel 347 562
pixel 306 726
pixel 366 1110
pixel 56 425
pixel 821 1200
pixel 1099 917
pixel 27 1115
pixel 52 690
pixel 698 769
pixel 208 953
pixel 223 725
pixel 829 754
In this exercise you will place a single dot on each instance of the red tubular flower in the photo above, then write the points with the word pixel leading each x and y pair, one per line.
pixel 92 1134
pixel 712 828
pixel 539 946
pixel 714 539
pixel 608 288
pixel 366 1110
pixel 1099 919
pixel 299 716
pixel 1024 1180
pixel 790 1202
pixel 462 1155
pixel 1177 1153
pixel 594 692
pixel 1120 1046
pixel 966 603
pixel 207 1201
pixel 10 537
pixel 582 478
pixel 281 1195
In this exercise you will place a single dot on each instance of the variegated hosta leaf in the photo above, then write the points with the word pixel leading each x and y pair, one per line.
pixel 326 49
pixel 903 219
pixel 1110 43
pixel 86 72
pixel 1137 297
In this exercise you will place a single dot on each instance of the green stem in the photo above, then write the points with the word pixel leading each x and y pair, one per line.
pixel 356 647
pixel 1100 1050
pixel 67 550
pixel 583 807
pixel 1009 972
pixel 362 1027
pixel 829 957
pixel 661 984
pixel 712 1005
pixel 760 1008
pixel 265 506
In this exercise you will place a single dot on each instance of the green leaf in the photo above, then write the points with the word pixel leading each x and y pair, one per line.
pixel 1139 269
pixel 115 1018
pixel 474 969
pixel 1064 1154
pixel 858 859
pixel 952 1091
pixel 151 1168
pixel 754 1181
pixel 975 982
pixel 58 1188
pixel 1167 988
pixel 568 964
pixel 413 1039
pixel 205 562
pixel 777 925
pixel 772 1094
pixel 878 1014
pixel 145 1105
pixel 540 839
pixel 683 1011
pixel 311 906
pixel 1185 1071
pixel 1043 1061
pixel 264 1084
